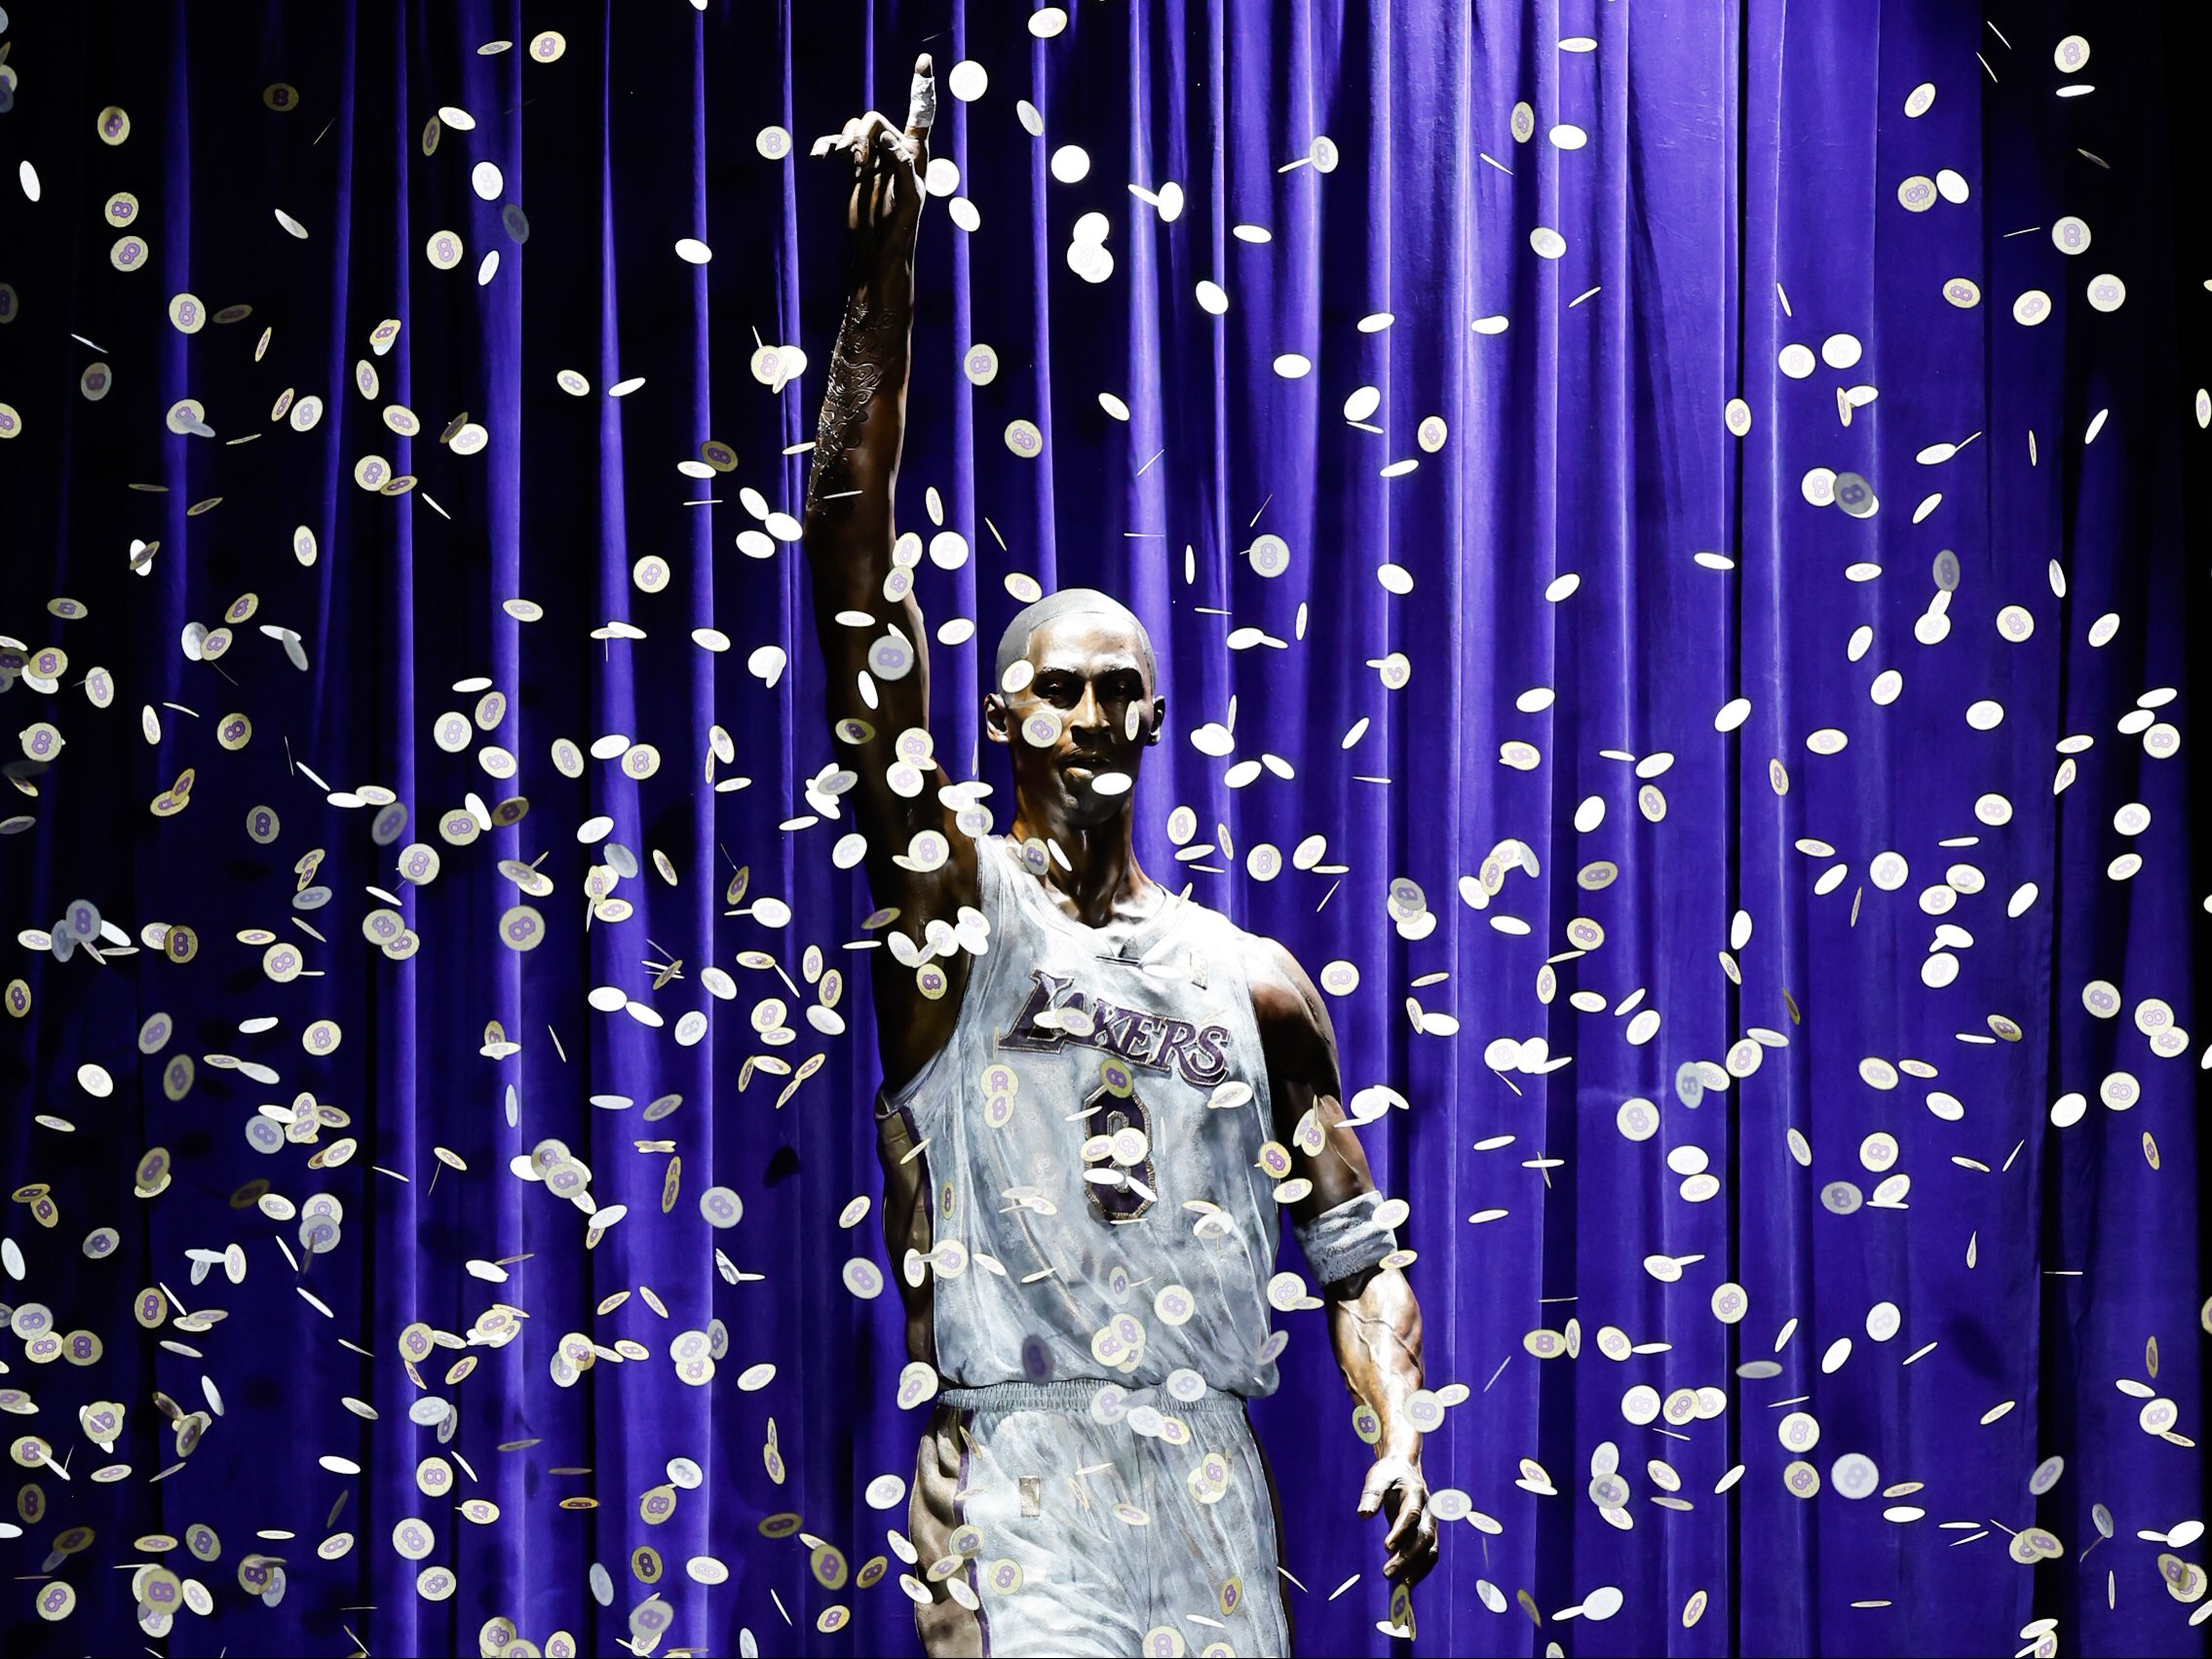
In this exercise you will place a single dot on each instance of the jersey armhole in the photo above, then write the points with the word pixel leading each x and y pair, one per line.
pixel 991 881
pixel 1240 961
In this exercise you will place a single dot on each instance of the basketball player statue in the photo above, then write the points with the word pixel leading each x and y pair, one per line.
pixel 1092 1090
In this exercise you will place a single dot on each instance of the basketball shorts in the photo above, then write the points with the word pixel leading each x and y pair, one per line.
pixel 1154 1534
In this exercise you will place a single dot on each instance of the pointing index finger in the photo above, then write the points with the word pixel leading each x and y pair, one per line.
pixel 922 100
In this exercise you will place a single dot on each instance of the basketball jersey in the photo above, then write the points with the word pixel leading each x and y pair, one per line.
pixel 1141 1063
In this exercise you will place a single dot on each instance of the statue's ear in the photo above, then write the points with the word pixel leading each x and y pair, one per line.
pixel 1159 719
pixel 996 714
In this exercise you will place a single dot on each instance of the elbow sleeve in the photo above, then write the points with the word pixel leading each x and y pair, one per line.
pixel 1346 1240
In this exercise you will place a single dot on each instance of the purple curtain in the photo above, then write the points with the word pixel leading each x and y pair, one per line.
pixel 1577 629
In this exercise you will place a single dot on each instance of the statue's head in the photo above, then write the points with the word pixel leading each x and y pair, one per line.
pixel 1084 682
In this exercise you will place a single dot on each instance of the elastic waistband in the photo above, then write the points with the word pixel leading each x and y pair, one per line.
pixel 1076 1396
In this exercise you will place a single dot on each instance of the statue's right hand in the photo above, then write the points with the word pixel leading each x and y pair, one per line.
pixel 884 196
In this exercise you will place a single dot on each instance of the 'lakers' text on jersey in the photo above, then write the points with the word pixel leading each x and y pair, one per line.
pixel 1150 1041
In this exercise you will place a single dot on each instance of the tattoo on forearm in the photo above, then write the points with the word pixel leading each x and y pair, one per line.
pixel 866 342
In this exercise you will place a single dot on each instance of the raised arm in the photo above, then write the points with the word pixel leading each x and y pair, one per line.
pixel 869 627
pixel 1374 1319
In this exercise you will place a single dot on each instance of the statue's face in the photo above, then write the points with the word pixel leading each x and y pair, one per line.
pixel 1088 673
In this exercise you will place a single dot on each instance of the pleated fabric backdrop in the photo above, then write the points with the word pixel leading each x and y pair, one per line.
pixel 1851 798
